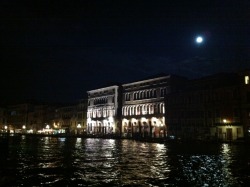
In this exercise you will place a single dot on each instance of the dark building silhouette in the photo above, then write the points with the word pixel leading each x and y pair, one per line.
pixel 216 106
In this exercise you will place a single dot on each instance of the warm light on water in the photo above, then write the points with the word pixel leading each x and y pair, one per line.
pixel 47 161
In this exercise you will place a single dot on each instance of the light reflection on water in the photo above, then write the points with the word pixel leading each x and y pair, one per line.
pixel 48 161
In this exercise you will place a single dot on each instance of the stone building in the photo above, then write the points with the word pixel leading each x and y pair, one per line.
pixel 65 119
pixel 3 120
pixel 245 101
pixel 39 117
pixel 29 117
pixel 103 110
pixel 17 117
pixel 81 117
pixel 143 107
pixel 208 107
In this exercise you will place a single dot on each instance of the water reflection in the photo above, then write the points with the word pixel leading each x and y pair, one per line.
pixel 51 161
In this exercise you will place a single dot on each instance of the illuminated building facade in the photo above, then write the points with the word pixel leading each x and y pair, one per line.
pixel 103 110
pixel 143 107
pixel 214 107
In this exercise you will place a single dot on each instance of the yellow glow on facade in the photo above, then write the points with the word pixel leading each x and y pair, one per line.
pixel 79 125
pixel 134 120
pixel 246 79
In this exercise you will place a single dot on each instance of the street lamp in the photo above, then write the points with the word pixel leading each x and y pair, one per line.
pixel 78 128
pixel 24 127
pixel 47 127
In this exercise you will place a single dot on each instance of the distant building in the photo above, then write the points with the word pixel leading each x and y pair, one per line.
pixel 143 107
pixel 39 116
pixel 209 107
pixel 3 120
pixel 104 110
pixel 65 119
pixel 245 101
pixel 28 117
pixel 81 117
pixel 17 117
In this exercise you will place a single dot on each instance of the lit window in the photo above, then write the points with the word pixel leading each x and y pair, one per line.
pixel 246 79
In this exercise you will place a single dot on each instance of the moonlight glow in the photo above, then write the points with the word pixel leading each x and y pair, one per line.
pixel 199 39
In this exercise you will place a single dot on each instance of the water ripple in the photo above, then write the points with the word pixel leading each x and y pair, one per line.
pixel 51 161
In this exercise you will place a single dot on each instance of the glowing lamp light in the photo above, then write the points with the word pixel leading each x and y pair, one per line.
pixel 24 127
pixel 79 125
pixel 224 120
pixel 5 127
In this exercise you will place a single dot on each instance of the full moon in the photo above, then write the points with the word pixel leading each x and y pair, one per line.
pixel 199 39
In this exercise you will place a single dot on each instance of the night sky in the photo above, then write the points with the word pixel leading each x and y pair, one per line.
pixel 54 51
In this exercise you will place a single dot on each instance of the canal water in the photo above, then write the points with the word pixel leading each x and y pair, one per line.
pixel 52 161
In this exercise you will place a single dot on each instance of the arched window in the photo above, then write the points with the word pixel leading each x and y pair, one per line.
pixel 147 94
pixel 130 111
pixel 147 109
pixel 138 110
pixel 151 93
pixel 163 108
pixel 104 112
pixel 155 109
pixel 158 108
pixel 143 109
pixel 154 93
pixel 143 94
pixel 151 109
pixel 140 97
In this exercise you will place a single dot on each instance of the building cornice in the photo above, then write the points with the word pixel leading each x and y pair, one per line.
pixel 147 80
pixel 102 89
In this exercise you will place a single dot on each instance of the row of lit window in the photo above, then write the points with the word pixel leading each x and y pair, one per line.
pixel 145 94
pixel 101 113
pixel 144 109
pixel 102 100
